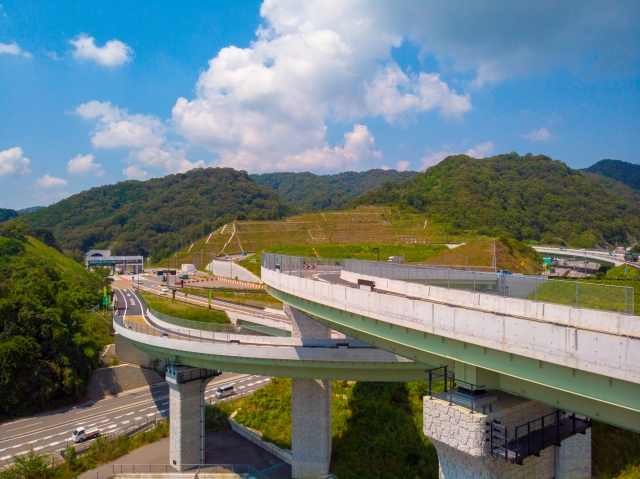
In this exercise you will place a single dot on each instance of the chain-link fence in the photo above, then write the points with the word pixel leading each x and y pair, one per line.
pixel 204 471
pixel 580 294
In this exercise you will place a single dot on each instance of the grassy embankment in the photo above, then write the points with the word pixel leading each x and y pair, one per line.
pixel 377 431
pixel 185 311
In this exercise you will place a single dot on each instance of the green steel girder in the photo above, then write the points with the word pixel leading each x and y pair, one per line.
pixel 344 370
pixel 609 400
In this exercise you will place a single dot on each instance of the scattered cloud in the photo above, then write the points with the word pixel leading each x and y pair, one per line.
pixel 433 158
pixel 13 162
pixel 481 150
pixel 13 49
pixel 393 93
pixel 48 181
pixel 113 53
pixel 84 165
pixel 116 128
pixel 385 168
pixel 541 134
pixel 134 172
pixel 54 56
pixel 48 197
pixel 403 165
pixel 358 145
pixel 171 160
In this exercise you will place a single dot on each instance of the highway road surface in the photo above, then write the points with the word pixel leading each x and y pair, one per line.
pixel 50 432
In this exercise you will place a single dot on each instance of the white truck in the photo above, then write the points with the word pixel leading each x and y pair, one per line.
pixel 80 434
pixel 188 268
pixel 396 259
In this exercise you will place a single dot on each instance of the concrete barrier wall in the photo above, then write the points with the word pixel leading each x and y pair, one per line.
pixel 116 379
pixel 229 269
pixel 468 317
pixel 256 438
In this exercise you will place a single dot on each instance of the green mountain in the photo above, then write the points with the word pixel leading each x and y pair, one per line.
pixel 7 214
pixel 158 216
pixel 49 344
pixel 29 210
pixel 311 192
pixel 627 173
pixel 530 197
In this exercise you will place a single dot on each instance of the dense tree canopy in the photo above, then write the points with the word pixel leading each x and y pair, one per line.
pixel 621 171
pixel 155 217
pixel 311 192
pixel 48 344
pixel 529 197
pixel 7 214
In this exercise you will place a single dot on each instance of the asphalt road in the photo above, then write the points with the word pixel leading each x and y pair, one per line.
pixel 51 431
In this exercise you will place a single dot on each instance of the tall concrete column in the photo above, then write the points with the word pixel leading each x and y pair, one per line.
pixel 186 415
pixel 573 457
pixel 310 409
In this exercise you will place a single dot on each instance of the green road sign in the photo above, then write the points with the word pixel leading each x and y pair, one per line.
pixel 105 301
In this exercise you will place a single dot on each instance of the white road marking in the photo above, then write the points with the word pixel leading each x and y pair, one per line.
pixel 137 418
pixel 125 422
pixel 151 414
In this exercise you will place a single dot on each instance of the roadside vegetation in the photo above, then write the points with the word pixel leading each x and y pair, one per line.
pixel 49 342
pixel 376 427
pixel 264 300
pixel 413 253
pixel 101 451
pixel 181 310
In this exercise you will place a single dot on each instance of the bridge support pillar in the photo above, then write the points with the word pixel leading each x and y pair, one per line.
pixel 186 423
pixel 310 409
pixel 462 441
pixel 573 457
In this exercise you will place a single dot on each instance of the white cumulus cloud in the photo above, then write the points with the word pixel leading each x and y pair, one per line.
pixel 13 162
pixel 48 181
pixel 358 145
pixel 312 62
pixel 402 165
pixel 13 49
pixel 117 128
pixel 113 53
pixel 481 150
pixel 171 160
pixel 134 172
pixel 84 165
pixel 541 134
pixel 433 158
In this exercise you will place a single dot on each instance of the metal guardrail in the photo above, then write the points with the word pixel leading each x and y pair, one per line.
pixel 603 297
pixel 244 471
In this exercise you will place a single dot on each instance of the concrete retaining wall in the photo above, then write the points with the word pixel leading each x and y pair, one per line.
pixel 229 269
pixel 116 379
pixel 256 438
pixel 128 353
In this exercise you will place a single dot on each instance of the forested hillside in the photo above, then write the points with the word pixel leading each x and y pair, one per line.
pixel 7 214
pixel 155 217
pixel 530 197
pixel 311 192
pixel 49 344
pixel 627 173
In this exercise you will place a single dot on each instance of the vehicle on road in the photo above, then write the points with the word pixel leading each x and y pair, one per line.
pixel 81 435
pixel 224 391
pixel 164 290
pixel 396 259
pixel 504 272
pixel 582 249
pixel 563 249
pixel 140 282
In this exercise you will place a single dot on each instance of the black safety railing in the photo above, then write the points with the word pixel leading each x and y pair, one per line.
pixel 514 444
pixel 465 390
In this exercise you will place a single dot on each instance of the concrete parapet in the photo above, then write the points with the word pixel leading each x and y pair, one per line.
pixel 310 428
pixel 256 438
pixel 128 353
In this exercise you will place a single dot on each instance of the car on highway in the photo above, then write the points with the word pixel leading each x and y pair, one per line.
pixel 582 249
pixel 224 391
pixel 140 282
pixel 563 249
pixel 164 290
pixel 504 272
pixel 81 434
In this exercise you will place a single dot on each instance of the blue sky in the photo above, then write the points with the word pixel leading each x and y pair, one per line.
pixel 94 94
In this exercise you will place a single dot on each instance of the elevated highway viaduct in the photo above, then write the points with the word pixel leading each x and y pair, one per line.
pixel 516 363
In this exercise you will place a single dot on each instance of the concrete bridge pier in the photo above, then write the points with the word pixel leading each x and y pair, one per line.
pixel 463 439
pixel 186 400
pixel 311 409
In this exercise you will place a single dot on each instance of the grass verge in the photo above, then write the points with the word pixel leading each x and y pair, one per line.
pixel 185 311
pixel 413 253
pixel 264 300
